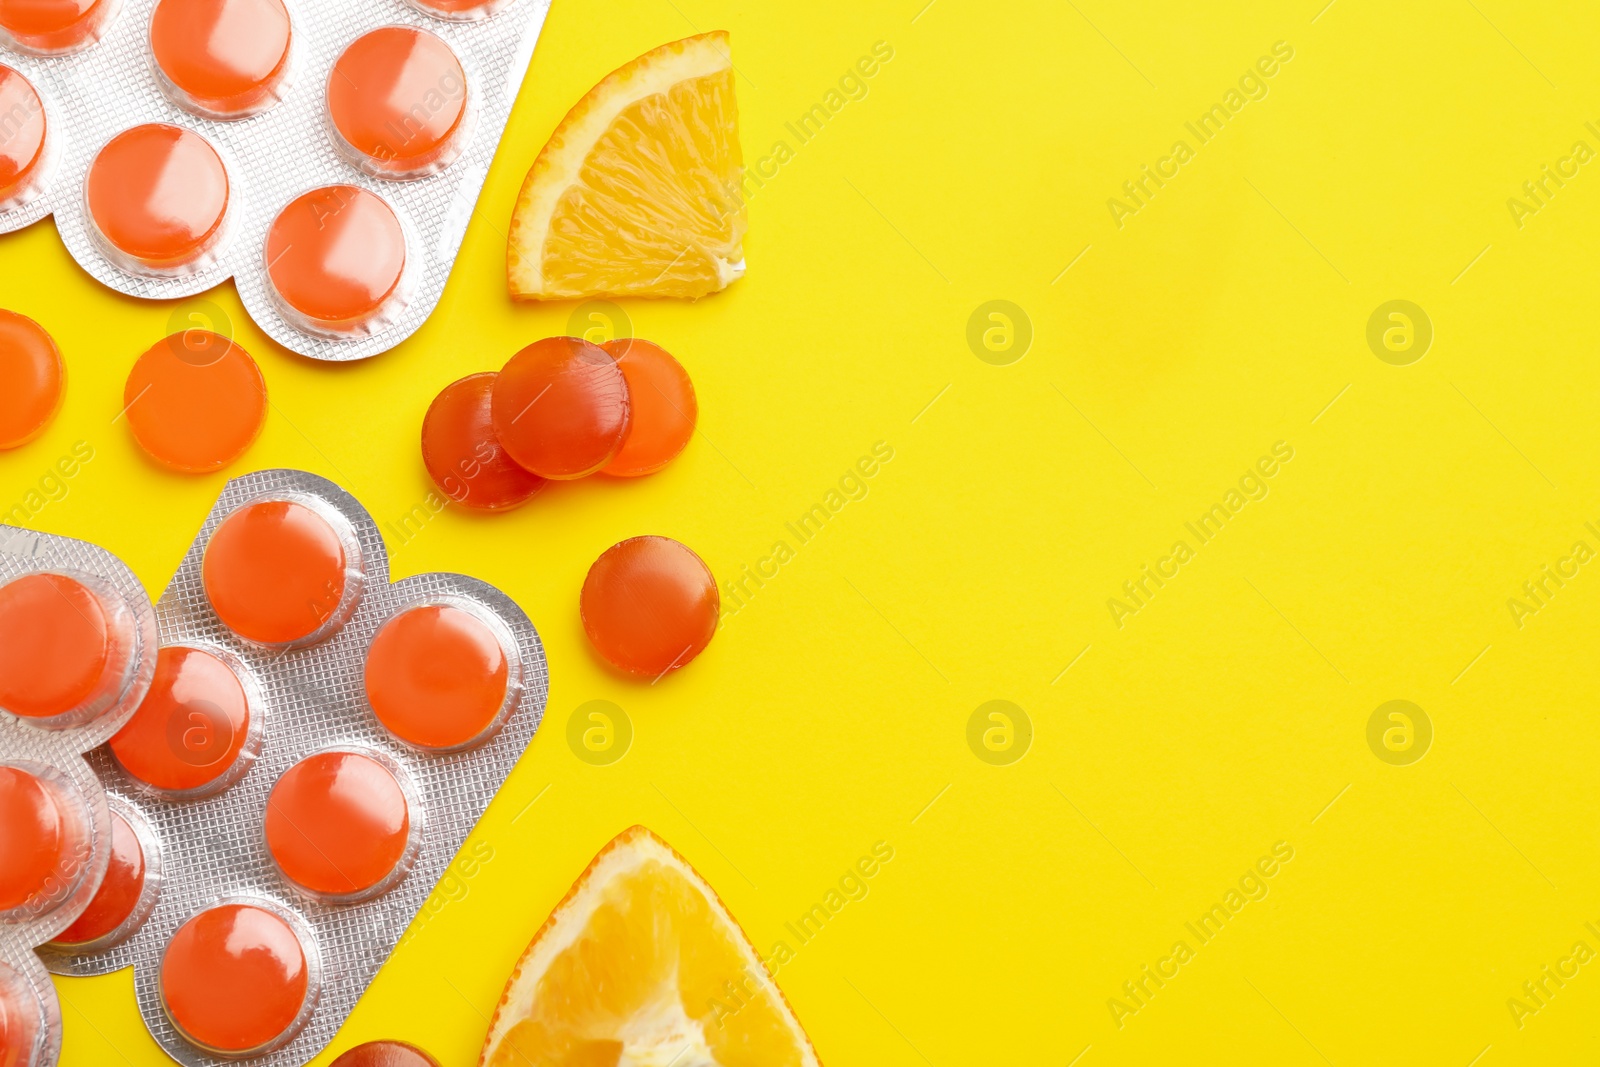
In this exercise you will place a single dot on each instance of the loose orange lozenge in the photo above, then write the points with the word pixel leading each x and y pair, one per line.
pixel 462 454
pixel 157 198
pixel 397 103
pixel 274 572
pixel 54 27
pixel 664 409
pixel 192 726
pixel 649 605
pixel 195 401
pixel 385 1054
pixel 337 823
pixel 119 890
pixel 22 139
pixel 436 676
pixel 560 408
pixel 336 260
pixel 33 838
pixel 32 377
pixel 234 979
pixel 56 645
pixel 224 59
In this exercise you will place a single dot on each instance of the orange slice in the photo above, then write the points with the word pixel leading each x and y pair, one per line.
pixel 638 191
pixel 642 965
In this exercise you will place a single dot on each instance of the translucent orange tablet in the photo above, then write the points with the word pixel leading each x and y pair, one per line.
pixel 336 261
pixel 22 139
pixel 33 838
pixel 462 454
pixel 195 401
pixel 19 1020
pixel 157 198
pixel 274 572
pixel 31 379
pixel 661 399
pixel 54 27
pixel 460 10
pixel 114 902
pixel 338 824
pixel 397 103
pixel 224 59
pixel 649 605
pixel 56 646
pixel 560 408
pixel 235 979
pixel 385 1054
pixel 436 676
pixel 193 726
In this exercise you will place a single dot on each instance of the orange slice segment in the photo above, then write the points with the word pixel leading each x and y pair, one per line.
pixel 637 192
pixel 642 966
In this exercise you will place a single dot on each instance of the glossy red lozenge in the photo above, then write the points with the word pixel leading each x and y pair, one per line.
pixel 32 379
pixel 23 125
pixel 649 605
pixel 55 645
pixel 33 837
pixel 336 259
pixel 157 196
pixel 462 454
pixel 662 404
pixel 385 1054
pixel 192 725
pixel 337 823
pixel 54 27
pixel 560 408
pixel 274 571
pixel 234 978
pixel 119 890
pixel 225 59
pixel 195 401
pixel 436 676
pixel 397 101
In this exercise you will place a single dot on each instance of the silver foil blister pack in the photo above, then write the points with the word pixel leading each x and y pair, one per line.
pixel 208 847
pixel 112 84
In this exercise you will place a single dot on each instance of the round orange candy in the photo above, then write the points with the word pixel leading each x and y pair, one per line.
pixel 663 406
pixel 22 134
pixel 234 978
pixel 51 27
pixel 157 196
pixel 436 676
pixel 385 1054
pixel 462 454
pixel 397 99
pixel 195 401
pixel 31 379
pixel 119 891
pixel 336 257
pixel 55 645
pixel 274 572
pixel 33 834
pixel 19 1020
pixel 192 724
pixel 560 408
pixel 649 605
pixel 337 823
pixel 225 59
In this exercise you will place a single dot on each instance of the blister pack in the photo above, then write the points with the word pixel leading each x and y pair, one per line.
pixel 250 809
pixel 325 156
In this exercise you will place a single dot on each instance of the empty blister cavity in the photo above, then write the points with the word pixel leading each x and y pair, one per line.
pixel 70 649
pixel 54 27
pixel 199 727
pixel 240 978
pixel 222 59
pixel 337 262
pixel 156 200
pixel 442 676
pixel 26 140
pixel 126 894
pixel 343 825
pixel 398 103
pixel 283 572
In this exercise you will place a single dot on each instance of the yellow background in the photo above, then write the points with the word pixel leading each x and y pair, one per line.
pixel 1227 715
